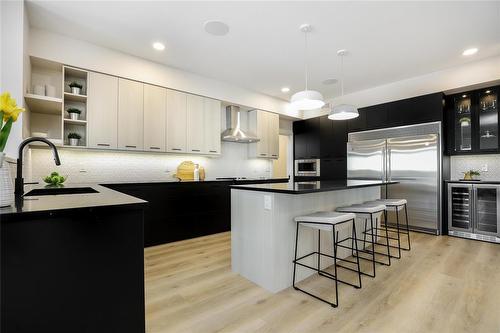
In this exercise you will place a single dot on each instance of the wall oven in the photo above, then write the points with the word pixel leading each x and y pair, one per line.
pixel 474 211
pixel 307 167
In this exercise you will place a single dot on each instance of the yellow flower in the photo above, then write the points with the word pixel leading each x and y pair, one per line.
pixel 9 107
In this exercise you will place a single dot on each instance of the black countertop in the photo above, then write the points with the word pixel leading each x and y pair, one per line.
pixel 311 187
pixel 473 181
pixel 104 197
pixel 208 180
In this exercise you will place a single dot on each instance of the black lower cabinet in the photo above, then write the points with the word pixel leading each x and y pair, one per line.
pixel 180 211
pixel 76 271
pixel 183 210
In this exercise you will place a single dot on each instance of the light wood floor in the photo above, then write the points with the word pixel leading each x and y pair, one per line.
pixel 444 284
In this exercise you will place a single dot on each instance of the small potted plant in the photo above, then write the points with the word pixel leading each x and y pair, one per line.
pixel 75 87
pixel 471 175
pixel 74 113
pixel 54 180
pixel 74 138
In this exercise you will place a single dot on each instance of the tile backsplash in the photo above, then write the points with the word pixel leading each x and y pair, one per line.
pixel 459 164
pixel 86 166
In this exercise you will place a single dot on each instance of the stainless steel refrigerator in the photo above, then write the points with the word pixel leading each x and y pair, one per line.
pixel 410 155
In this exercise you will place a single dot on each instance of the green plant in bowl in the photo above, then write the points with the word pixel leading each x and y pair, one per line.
pixel 54 179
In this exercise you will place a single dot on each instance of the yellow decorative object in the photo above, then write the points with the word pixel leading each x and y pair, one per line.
pixel 9 107
pixel 185 171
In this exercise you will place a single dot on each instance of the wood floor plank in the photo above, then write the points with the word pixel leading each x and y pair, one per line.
pixel 443 284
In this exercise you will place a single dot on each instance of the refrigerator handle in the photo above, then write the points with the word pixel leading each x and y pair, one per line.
pixel 384 164
pixel 388 170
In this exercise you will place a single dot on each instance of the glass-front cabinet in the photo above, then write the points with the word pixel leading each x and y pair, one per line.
pixel 463 122
pixel 474 122
pixel 488 120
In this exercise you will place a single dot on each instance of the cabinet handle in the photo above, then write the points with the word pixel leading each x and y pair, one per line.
pixel 263 154
pixel 130 146
pixel 178 149
pixel 103 144
pixel 275 155
pixel 154 147
pixel 195 150
pixel 212 151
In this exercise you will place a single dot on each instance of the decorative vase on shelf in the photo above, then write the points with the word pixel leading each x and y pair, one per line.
pixel 74 116
pixel 6 187
pixel 75 90
pixel 73 142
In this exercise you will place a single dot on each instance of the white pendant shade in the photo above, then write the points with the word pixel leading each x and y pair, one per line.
pixel 343 112
pixel 307 100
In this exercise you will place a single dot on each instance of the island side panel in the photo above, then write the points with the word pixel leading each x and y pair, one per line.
pixel 263 238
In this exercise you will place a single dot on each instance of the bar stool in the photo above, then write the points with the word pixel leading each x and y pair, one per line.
pixel 326 221
pixel 372 213
pixel 397 205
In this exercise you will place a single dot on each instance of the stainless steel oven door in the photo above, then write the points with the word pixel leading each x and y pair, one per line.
pixel 309 167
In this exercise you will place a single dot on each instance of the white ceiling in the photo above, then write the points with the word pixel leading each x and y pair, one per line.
pixel 387 41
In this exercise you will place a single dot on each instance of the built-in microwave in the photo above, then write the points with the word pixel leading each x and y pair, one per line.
pixel 309 168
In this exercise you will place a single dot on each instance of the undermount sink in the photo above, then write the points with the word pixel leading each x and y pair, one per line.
pixel 60 190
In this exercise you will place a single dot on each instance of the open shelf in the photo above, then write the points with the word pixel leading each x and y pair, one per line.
pixel 43 104
pixel 74 97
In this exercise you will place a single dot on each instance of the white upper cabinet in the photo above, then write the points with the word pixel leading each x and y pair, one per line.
pixel 176 121
pixel 195 124
pixel 130 114
pixel 273 130
pixel 155 117
pixel 102 109
pixel 266 126
pixel 212 109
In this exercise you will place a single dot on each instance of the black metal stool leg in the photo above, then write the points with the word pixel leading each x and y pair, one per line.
pixel 335 269
pixel 399 235
pixel 387 237
pixel 295 258
pixel 407 227
pixel 373 244
pixel 319 250
pixel 356 245
pixel 364 235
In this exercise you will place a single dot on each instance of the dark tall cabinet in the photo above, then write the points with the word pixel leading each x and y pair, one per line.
pixel 473 126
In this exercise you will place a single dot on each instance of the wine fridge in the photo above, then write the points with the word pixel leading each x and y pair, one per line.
pixel 474 211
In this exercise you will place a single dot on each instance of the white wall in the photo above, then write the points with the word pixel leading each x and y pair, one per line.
pixel 455 77
pixel 460 164
pixel 13 23
pixel 88 166
pixel 79 53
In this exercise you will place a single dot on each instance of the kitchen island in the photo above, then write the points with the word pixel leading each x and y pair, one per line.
pixel 72 260
pixel 263 227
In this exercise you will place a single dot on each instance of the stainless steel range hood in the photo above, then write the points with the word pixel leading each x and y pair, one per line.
pixel 233 132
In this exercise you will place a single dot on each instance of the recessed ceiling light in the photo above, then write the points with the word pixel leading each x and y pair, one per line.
pixel 464 96
pixel 158 46
pixel 470 51
pixel 285 89
pixel 488 91
pixel 330 81
pixel 216 28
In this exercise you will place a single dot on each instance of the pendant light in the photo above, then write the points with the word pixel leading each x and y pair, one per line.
pixel 306 99
pixel 343 111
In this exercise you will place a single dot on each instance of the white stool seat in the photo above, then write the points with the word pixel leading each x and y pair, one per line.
pixel 362 208
pixel 324 217
pixel 392 202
